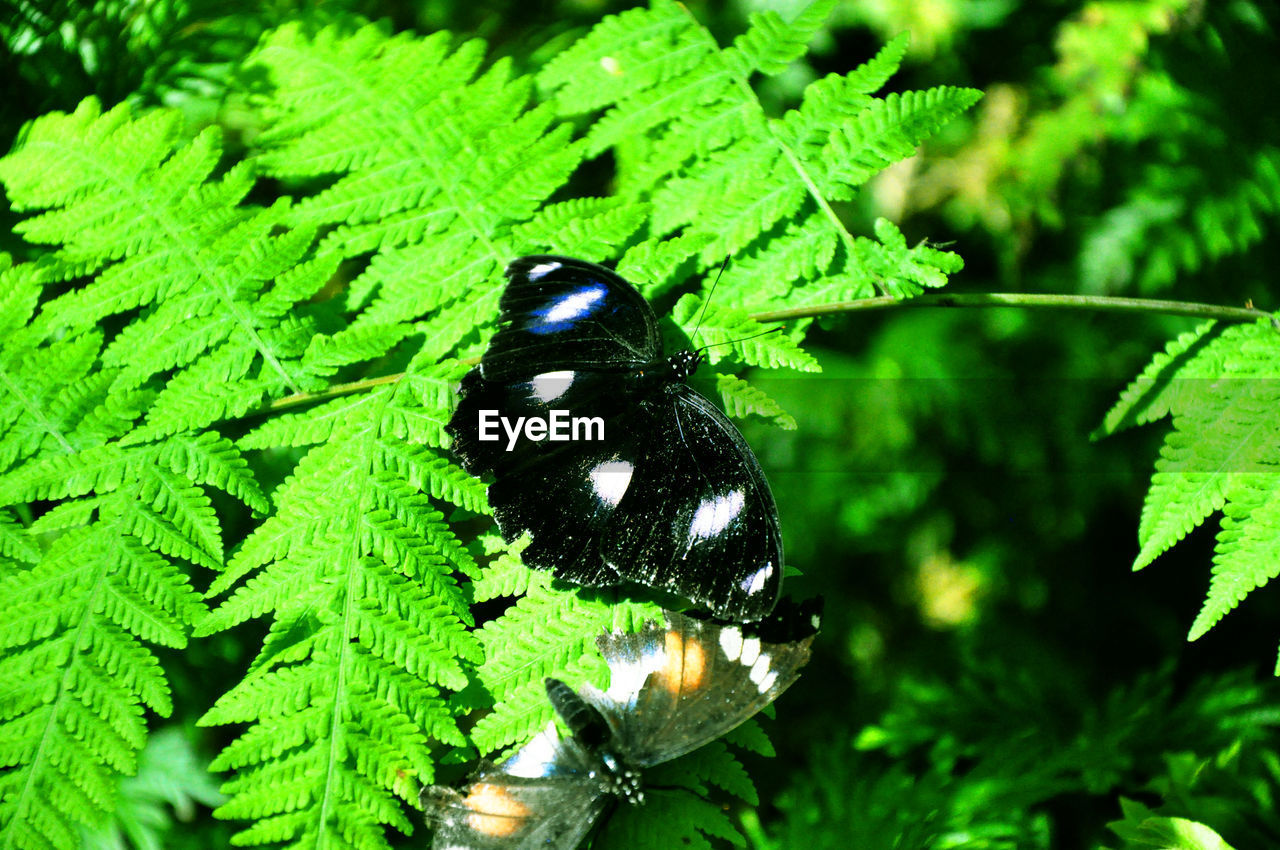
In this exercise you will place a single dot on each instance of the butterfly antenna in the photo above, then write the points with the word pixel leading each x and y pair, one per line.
pixel 707 302
pixel 778 329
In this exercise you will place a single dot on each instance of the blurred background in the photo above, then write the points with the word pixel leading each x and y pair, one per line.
pixel 993 674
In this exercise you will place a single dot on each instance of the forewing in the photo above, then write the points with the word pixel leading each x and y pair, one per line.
pixel 564 503
pixel 562 492
pixel 698 518
pixel 673 690
pixel 488 425
pixel 559 313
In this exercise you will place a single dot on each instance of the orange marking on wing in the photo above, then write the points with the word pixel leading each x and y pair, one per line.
pixel 496 813
pixel 686 665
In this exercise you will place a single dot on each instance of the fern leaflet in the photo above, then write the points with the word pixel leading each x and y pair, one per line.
pixel 1222 388
pixel 159 236
pixel 737 182
pixel 356 568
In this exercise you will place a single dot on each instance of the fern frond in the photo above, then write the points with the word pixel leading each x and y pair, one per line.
pixel 751 340
pixel 1247 555
pixel 109 582
pixel 162 237
pixel 14 543
pixel 1222 387
pixel 443 178
pixel 505 575
pixel 356 569
pixel 1231 431
pixel 668 819
pixel 1179 219
pixel 741 399
pixel 74 645
pixel 716 167
pixel 1173 382
pixel 772 44
pixel 595 225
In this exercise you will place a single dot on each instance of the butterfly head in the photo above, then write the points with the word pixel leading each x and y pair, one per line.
pixel 684 363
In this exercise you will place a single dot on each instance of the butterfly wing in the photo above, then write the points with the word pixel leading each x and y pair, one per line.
pixel 675 688
pixel 698 518
pixel 500 812
pixel 560 491
pixel 558 313
pixel 663 491
pixel 544 796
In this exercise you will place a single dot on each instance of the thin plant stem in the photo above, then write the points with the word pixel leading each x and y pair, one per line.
pixel 1034 301
pixel 1025 300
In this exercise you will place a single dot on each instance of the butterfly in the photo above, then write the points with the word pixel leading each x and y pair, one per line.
pixel 616 468
pixel 673 688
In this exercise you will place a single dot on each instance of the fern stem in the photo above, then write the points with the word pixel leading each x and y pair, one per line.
pixel 298 399
pixel 1037 301
pixel 1034 301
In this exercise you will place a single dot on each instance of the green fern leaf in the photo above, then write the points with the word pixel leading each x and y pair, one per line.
pixel 160 236
pixel 669 819
pixel 1248 552
pixel 73 644
pixel 326 354
pixel 435 176
pixel 14 543
pixel 356 569
pixel 1230 432
pixel 1221 387
pixel 546 633
pixel 589 228
pixel 771 45
pixel 887 131
pixel 1175 381
pixel 724 324
pixel 714 765
pixel 652 264
pixel 505 575
pixel 713 165
pixel 741 399
pixel 623 54
pixel 1182 217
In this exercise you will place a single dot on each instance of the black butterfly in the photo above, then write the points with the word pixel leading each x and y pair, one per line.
pixel 672 689
pixel 633 476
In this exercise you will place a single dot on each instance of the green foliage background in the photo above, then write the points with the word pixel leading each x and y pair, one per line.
pixel 212 559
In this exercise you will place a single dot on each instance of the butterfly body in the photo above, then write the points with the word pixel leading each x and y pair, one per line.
pixel 655 488
pixel 673 687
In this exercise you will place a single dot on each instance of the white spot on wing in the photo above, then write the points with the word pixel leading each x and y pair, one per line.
pixel 535 758
pixel 549 386
pixel 731 643
pixel 750 651
pixel 762 673
pixel 755 582
pixel 573 306
pixel 626 678
pixel 610 480
pixel 541 269
pixel 715 514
